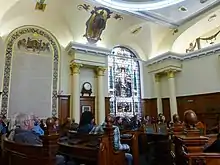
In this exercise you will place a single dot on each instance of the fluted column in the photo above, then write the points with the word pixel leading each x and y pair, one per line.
pixel 75 72
pixel 158 94
pixel 100 71
pixel 172 90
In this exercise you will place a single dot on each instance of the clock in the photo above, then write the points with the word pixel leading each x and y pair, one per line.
pixel 86 88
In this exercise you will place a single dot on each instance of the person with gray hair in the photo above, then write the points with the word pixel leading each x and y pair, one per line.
pixel 24 133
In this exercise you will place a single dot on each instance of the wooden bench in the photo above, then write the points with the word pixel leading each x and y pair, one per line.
pixel 202 158
pixel 92 149
pixel 15 153
pixel 132 141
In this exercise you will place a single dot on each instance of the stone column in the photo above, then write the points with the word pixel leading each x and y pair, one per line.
pixel 75 71
pixel 158 94
pixel 100 113
pixel 172 90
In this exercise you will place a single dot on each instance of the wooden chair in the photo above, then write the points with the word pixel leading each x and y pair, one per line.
pixel 15 153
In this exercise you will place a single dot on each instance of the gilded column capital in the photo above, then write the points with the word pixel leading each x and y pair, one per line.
pixel 171 73
pixel 75 68
pixel 157 77
pixel 100 70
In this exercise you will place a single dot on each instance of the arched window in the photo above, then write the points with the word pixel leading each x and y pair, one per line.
pixel 124 82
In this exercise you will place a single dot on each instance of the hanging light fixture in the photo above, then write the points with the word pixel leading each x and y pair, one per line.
pixel 41 5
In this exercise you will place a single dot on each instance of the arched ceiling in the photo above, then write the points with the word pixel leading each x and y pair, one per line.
pixel 201 28
pixel 67 22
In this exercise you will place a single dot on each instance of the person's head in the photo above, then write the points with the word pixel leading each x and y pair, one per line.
pixel 86 118
pixel 24 121
pixel 176 118
pixel 147 117
pixel 56 121
pixel 118 120
pixel 160 115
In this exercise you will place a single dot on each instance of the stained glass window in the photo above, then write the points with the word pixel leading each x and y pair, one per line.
pixel 124 82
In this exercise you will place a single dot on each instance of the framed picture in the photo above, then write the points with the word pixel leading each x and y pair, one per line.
pixel 86 108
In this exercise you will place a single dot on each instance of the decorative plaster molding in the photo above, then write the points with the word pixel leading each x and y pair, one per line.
pixel 85 48
pixel 73 47
pixel 211 50
pixel 170 56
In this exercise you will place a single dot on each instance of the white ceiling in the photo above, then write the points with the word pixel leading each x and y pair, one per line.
pixel 170 15
pixel 68 23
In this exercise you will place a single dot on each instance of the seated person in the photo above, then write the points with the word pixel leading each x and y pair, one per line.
pixel 86 123
pixel 24 133
pixel 135 123
pixel 117 141
pixel 74 126
pixel 214 147
pixel 119 122
pixel 37 129
pixel 65 127
pixel 42 124
pixel 3 125
pixel 56 126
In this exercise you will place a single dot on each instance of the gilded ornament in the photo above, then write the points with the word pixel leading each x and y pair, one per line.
pixel 157 77
pixel 100 71
pixel 171 74
pixel 75 68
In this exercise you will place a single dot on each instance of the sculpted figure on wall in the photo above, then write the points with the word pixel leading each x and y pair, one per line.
pixel 191 47
pixel 34 45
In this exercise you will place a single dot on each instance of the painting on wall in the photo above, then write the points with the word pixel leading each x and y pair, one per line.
pixel 86 108
pixel 96 24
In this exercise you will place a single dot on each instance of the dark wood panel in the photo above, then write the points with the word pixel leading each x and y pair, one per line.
pixel 63 107
pixel 206 106
pixel 87 101
pixel 166 108
pixel 149 107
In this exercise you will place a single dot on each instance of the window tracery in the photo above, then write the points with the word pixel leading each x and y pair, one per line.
pixel 124 82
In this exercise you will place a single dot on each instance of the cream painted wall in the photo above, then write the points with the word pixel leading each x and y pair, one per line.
pixel 65 77
pixel 2 61
pixel 88 75
pixel 198 76
pixel 147 83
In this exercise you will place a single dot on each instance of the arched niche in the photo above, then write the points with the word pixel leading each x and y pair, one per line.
pixel 16 38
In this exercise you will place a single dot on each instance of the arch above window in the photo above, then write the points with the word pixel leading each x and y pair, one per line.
pixel 124 82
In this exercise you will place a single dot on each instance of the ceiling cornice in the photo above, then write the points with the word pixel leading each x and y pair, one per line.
pixel 211 50
pixel 87 49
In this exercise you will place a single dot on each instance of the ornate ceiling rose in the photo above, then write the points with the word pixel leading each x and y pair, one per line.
pixel 140 5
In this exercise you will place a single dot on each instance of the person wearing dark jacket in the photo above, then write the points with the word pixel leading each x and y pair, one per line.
pixel 86 122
